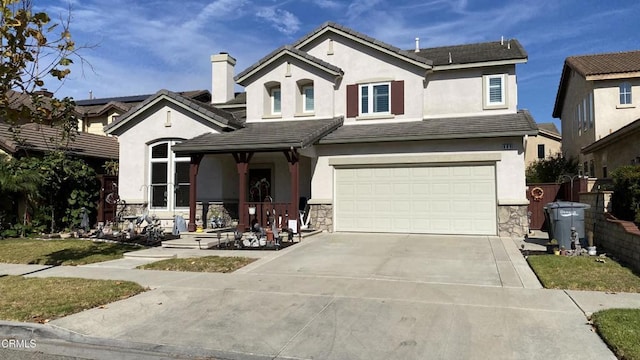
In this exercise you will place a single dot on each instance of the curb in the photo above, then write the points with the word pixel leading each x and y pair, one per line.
pixel 75 344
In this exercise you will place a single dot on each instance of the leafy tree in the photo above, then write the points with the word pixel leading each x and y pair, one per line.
pixel 550 169
pixel 625 200
pixel 55 186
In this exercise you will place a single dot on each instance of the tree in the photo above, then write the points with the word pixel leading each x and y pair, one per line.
pixel 550 169
pixel 33 49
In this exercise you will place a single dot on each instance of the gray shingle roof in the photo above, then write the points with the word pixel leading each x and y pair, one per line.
pixel 549 127
pixel 35 137
pixel 206 109
pixel 408 54
pixel 262 136
pixel 283 50
pixel 517 124
pixel 474 53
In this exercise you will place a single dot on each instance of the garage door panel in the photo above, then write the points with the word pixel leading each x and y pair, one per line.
pixel 422 199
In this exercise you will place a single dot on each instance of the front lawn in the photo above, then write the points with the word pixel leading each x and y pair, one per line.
pixel 583 273
pixel 60 252
pixel 620 329
pixel 201 264
pixel 43 299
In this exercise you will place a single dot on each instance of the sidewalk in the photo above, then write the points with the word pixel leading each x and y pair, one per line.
pixel 278 307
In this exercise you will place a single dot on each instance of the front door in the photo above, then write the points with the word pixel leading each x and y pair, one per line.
pixel 260 185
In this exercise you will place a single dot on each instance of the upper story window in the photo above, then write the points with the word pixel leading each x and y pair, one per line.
pixel 375 98
pixel 169 177
pixel 540 151
pixel 308 105
pixel 495 93
pixel 305 99
pixel 276 100
pixel 625 93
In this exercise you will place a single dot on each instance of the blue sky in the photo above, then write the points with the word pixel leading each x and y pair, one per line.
pixel 139 47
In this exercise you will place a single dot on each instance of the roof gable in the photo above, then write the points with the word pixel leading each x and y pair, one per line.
pixel 216 116
pixel 378 45
pixel 292 52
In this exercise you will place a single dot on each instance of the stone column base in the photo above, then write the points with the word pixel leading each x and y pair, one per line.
pixel 513 220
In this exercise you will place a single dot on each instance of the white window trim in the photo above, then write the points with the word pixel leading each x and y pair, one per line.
pixel 370 106
pixel 304 99
pixel 171 161
pixel 486 93
pixel 273 100
pixel 624 89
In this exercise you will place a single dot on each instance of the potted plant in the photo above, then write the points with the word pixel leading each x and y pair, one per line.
pixel 552 247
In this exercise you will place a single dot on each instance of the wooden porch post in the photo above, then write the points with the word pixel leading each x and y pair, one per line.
pixel 293 157
pixel 193 188
pixel 242 163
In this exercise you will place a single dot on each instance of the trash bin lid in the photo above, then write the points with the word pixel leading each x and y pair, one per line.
pixel 566 204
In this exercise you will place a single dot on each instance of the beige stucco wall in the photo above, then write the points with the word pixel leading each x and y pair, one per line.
pixel 552 146
pixel 619 153
pixel 436 94
pixel 510 179
pixel 609 115
pixel 96 124
pixel 454 93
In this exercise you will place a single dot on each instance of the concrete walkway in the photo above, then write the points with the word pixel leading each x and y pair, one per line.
pixel 345 296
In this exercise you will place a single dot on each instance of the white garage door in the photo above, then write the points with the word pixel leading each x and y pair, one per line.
pixel 417 199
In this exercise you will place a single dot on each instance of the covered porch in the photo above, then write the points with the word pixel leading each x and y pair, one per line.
pixel 260 140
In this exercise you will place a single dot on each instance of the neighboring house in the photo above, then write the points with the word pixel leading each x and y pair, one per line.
pixel 598 95
pixel 36 139
pixel 97 113
pixel 371 137
pixel 621 147
pixel 546 144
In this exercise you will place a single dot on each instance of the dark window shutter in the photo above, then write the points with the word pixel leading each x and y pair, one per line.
pixel 352 100
pixel 397 97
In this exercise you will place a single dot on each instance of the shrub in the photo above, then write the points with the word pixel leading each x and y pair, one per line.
pixel 625 201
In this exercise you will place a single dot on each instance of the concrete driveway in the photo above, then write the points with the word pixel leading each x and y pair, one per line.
pixel 464 260
pixel 343 296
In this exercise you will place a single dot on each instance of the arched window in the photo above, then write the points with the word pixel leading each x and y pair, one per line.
pixel 625 93
pixel 168 177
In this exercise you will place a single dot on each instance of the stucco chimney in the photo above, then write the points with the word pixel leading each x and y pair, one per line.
pixel 222 71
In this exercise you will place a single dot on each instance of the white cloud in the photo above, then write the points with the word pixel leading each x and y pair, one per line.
pixel 359 7
pixel 219 9
pixel 327 4
pixel 282 20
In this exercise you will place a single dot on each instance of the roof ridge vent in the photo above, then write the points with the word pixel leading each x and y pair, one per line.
pixel 502 40
pixel 417 44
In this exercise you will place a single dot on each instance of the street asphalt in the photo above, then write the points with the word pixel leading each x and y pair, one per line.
pixel 333 296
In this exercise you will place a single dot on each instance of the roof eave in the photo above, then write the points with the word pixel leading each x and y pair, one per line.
pixel 428 137
pixel 562 88
pixel 479 64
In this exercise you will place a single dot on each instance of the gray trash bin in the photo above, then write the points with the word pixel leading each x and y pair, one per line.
pixel 563 215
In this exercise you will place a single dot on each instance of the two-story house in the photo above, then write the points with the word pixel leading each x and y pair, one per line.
pixel 597 96
pixel 363 135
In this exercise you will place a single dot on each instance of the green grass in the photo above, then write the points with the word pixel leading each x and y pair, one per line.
pixel 60 252
pixel 583 273
pixel 42 299
pixel 620 329
pixel 201 264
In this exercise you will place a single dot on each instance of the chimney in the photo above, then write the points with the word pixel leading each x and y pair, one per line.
pixel 222 83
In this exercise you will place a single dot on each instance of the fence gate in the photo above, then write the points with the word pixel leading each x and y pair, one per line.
pixel 108 189
pixel 539 195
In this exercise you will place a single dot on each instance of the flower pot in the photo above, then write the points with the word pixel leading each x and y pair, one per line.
pixel 591 250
